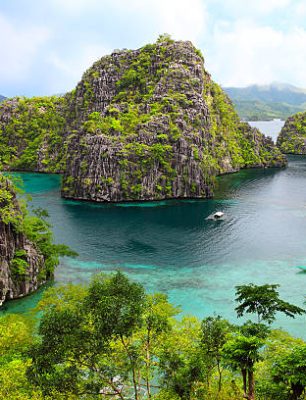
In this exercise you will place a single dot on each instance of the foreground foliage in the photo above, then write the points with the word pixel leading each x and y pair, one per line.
pixel 111 340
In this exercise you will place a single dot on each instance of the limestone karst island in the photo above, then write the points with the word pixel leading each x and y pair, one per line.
pixel 152 220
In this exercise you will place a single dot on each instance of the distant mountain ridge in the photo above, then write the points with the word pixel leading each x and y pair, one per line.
pixel 2 98
pixel 277 100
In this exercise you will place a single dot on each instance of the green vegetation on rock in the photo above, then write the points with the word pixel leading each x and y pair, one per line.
pixel 164 128
pixel 292 138
pixel 31 134
pixel 235 144
pixel 29 256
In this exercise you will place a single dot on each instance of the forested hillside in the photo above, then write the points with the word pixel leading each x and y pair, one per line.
pixel 267 102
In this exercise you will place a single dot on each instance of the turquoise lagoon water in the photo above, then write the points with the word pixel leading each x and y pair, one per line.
pixel 173 246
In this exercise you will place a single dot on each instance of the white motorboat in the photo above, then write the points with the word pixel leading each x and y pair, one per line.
pixel 218 215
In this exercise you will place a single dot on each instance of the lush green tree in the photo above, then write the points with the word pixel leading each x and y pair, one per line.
pixel 78 336
pixel 213 337
pixel 165 37
pixel 181 362
pixel 264 301
pixel 278 345
pixel 289 369
pixel 105 338
pixel 244 350
pixel 117 306
pixel 13 382
pixel 17 334
pixel 250 328
pixel 157 324
pixel 109 340
pixel 16 337
pixel 165 394
pixel 241 353
pixel 37 229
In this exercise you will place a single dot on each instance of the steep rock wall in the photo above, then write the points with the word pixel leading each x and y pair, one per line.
pixel 151 124
pixel 292 138
pixel 21 264
pixel 32 134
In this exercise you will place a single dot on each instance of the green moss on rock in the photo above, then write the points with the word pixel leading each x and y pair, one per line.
pixel 31 134
pixel 292 138
pixel 28 255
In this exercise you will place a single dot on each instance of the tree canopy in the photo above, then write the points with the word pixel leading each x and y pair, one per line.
pixel 111 340
pixel 264 301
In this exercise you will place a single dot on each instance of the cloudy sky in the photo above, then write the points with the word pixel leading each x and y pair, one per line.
pixel 47 44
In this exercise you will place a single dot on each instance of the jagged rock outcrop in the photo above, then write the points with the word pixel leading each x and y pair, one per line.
pixel 292 138
pixel 151 124
pixel 22 266
pixel 141 125
pixel 32 134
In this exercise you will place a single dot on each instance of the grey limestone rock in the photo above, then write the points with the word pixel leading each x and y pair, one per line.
pixel 13 284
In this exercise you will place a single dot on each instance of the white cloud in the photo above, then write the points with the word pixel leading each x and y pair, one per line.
pixel 254 8
pixel 183 19
pixel 292 58
pixel 19 46
pixel 74 67
pixel 69 70
pixel 264 6
pixel 300 9
pixel 180 18
pixel 244 53
pixel 75 7
pixel 243 42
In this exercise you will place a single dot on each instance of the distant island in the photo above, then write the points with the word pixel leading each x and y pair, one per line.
pixel 267 102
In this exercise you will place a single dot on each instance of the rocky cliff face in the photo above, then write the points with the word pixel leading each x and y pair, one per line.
pixel 151 124
pixel 292 138
pixel 32 134
pixel 141 125
pixel 21 264
pixel 136 137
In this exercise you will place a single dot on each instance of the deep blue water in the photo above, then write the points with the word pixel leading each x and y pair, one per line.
pixel 171 246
